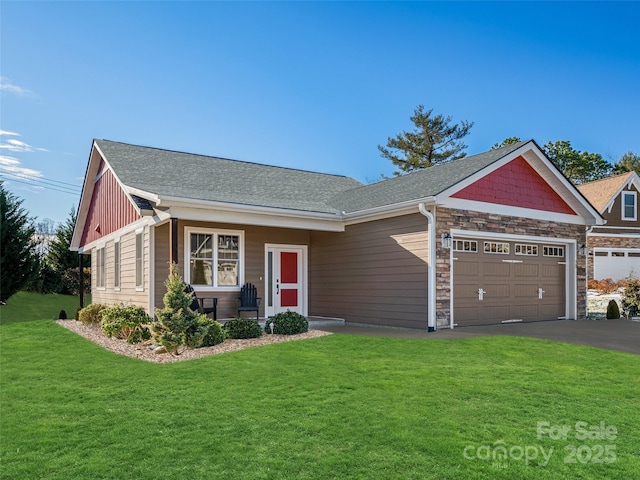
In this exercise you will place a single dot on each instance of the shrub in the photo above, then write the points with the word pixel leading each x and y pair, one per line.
pixel 243 328
pixel 631 298
pixel 91 313
pixel 287 323
pixel 177 325
pixel 131 323
pixel 215 333
pixel 62 315
pixel 77 315
pixel 613 311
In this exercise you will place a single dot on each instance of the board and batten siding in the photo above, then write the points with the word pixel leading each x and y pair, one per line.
pixel 127 294
pixel 255 239
pixel 373 273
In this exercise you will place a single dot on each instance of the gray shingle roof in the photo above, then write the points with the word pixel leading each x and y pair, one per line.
pixel 190 176
pixel 419 184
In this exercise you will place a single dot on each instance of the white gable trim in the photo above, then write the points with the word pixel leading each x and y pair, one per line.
pixel 633 179
pixel 549 173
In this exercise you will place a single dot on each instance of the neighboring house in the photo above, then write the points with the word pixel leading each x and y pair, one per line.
pixel 489 238
pixel 614 249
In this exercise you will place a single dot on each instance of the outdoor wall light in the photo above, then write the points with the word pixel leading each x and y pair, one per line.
pixel 446 240
pixel 583 250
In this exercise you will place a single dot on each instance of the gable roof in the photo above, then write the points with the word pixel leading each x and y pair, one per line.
pixel 419 184
pixel 154 173
pixel 602 192
pixel 156 180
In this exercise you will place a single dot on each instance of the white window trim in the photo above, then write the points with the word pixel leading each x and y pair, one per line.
pixel 117 260
pixel 214 232
pixel 101 272
pixel 635 207
pixel 139 287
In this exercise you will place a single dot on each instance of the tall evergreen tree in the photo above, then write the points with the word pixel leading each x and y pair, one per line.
pixel 505 142
pixel 18 257
pixel 433 141
pixel 59 257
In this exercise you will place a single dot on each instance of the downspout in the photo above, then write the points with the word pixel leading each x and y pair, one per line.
pixel 431 289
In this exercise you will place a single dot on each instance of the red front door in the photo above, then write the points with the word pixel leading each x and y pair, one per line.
pixel 285 273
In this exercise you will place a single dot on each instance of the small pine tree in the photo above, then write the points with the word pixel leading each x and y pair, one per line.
pixel 613 311
pixel 62 315
pixel 178 326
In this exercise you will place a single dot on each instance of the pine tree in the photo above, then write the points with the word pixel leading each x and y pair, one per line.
pixel 18 258
pixel 433 141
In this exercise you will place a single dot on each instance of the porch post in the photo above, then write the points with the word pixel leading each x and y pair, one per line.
pixel 81 279
pixel 173 240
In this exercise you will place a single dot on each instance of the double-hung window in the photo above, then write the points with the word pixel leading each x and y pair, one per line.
pixel 214 258
pixel 101 272
pixel 139 259
pixel 629 208
pixel 116 264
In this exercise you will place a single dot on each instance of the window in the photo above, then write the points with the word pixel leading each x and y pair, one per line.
pixel 629 206
pixel 139 260
pixel 100 270
pixel 525 249
pixel 116 264
pixel 214 258
pixel 617 254
pixel 496 247
pixel 550 251
pixel 465 246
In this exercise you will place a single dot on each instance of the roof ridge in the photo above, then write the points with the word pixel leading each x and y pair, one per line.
pixel 609 178
pixel 219 158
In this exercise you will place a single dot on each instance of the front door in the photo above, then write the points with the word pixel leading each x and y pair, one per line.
pixel 285 279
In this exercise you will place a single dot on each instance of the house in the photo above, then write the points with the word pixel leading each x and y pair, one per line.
pixel 614 248
pixel 490 238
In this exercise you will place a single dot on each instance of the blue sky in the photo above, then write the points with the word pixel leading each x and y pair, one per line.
pixel 312 85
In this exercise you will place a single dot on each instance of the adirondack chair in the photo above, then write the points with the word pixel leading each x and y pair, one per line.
pixel 249 300
pixel 198 304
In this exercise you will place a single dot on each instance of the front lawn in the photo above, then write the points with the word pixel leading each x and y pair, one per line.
pixel 25 306
pixel 336 407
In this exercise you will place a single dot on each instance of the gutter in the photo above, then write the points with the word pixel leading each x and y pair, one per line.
pixel 431 289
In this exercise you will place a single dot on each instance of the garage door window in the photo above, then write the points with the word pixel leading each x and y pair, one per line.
pixel 550 251
pixel 496 247
pixel 525 249
pixel 465 246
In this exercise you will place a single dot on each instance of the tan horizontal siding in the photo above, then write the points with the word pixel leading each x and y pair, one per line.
pixel 373 273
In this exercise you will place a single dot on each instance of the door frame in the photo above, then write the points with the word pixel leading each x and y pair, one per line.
pixel 304 276
pixel 571 253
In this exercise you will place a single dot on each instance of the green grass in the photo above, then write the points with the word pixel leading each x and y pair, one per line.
pixel 25 306
pixel 337 407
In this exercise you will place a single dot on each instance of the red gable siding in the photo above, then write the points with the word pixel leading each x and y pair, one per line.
pixel 110 208
pixel 516 184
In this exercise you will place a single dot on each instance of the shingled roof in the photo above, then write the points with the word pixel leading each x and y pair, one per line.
pixel 419 184
pixel 601 192
pixel 166 173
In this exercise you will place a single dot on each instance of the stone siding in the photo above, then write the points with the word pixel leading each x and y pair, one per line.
pixel 448 219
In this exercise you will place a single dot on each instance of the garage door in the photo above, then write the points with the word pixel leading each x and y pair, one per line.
pixel 505 281
pixel 615 264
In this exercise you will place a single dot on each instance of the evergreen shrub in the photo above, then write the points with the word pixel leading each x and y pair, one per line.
pixel 242 328
pixel 287 323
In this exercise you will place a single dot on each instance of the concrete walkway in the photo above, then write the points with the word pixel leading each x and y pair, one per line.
pixel 622 335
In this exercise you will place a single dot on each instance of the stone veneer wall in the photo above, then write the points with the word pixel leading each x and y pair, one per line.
pixel 447 219
pixel 613 241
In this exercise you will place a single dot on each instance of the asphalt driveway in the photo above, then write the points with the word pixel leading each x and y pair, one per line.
pixel 622 335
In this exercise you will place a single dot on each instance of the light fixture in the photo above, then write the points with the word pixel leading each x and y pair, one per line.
pixel 446 240
pixel 583 250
